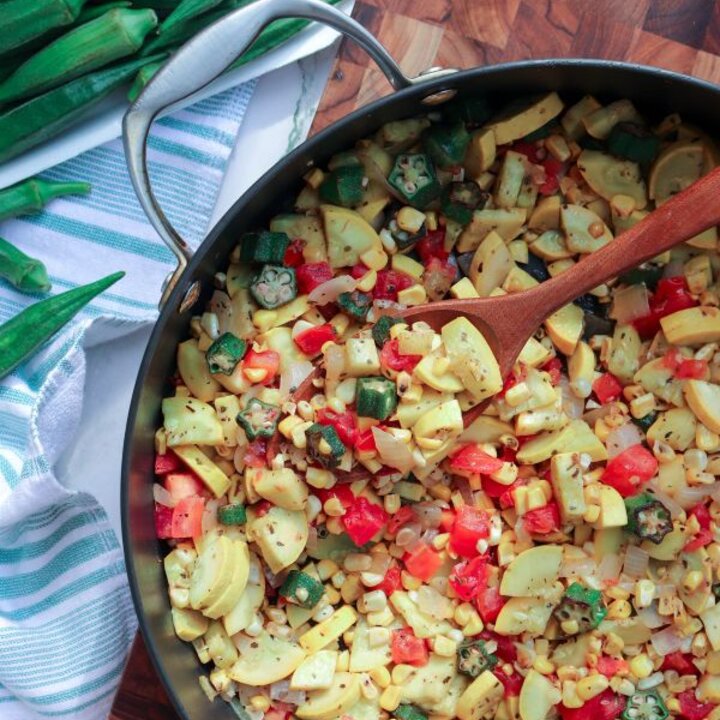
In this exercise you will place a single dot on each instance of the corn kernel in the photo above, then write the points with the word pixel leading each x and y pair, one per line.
pixel 619 610
pixel 614 644
pixel 390 698
pixel 286 425
pixel 375 259
pixel 367 282
pixel 641 666
pixel 588 687
pixel 343 661
pixel 713 663
pixel 617 593
pixel 383 618
pixel 642 405
pixel 255 375
pixel 405 264
pixel 409 582
pixel 644 593
pixel 351 589
pixel 570 697
pixel 326 569
pixel 440 541
pixel 400 673
pixel 570 627
pixel 673 705
pixel 260 702
pixel 474 626
pixel 692 580
pixel 444 646
pixel 333 596
pixel 380 676
pixel 543 665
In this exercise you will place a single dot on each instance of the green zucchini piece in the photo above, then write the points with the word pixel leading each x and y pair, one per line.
pixel 232 514
pixel 225 353
pixel 259 419
pixel 446 144
pixel 343 186
pixel 414 177
pixel 648 518
pixel 301 589
pixel 324 445
pixel 375 397
pixel 381 329
pixel 583 605
pixel 274 286
pixel 264 247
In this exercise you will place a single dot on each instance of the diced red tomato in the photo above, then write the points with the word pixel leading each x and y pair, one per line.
pixel 311 275
pixel 365 440
pixel 630 469
pixel 294 253
pixel 471 524
pixel 670 296
pixel 344 424
pixel 403 516
pixel 277 714
pixel 503 492
pixel 167 463
pixel 607 388
pixel 489 603
pixel 256 454
pixel 432 246
pixel 468 579
pixel 553 367
pixel 610 666
pixel 685 368
pixel 542 520
pixel 423 562
pixel 605 706
pixel 182 485
pixel 701 539
pixel 473 460
pixel 691 708
pixel 389 283
pixel 506 650
pixel 342 492
pixel 682 663
pixel 528 149
pixel 702 515
pixel 391 582
pixel 163 521
pixel 310 341
pixel 553 172
pixel 358 270
pixel 391 358
pixel 262 508
pixel 363 520
pixel 447 520
pixel 511 683
pixel 187 518
pixel 267 360
pixel 407 649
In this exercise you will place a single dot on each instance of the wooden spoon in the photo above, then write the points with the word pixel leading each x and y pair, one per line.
pixel 508 321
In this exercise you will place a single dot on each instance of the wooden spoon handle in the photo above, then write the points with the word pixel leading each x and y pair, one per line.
pixel 680 218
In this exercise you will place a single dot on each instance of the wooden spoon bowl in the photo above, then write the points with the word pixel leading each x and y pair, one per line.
pixel 508 321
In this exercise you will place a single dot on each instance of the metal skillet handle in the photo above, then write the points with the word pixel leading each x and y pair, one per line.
pixel 197 64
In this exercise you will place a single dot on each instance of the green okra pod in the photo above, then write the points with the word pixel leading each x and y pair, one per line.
pixel 187 10
pixel 25 273
pixel 95 11
pixel 43 117
pixel 22 335
pixel 32 195
pixel 144 76
pixel 116 34
pixel 25 20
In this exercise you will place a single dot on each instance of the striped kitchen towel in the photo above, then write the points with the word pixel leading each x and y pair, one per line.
pixel 66 618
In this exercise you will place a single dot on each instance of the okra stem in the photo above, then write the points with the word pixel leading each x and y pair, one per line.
pixel 21 336
pixel 25 273
pixel 32 195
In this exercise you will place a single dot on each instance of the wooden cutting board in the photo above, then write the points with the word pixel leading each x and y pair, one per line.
pixel 681 35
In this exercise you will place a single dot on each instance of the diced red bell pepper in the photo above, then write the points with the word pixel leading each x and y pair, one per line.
pixel 489 603
pixel 358 270
pixel 685 368
pixel 182 485
pixel 389 283
pixel 528 149
pixel 681 662
pixel 702 515
pixel 605 706
pixel 310 341
pixel 344 424
pixel 553 367
pixel 701 539
pixel 311 275
pixel 407 649
pixel 506 650
pixel 670 297
pixel 167 463
pixel 342 492
pixel 365 440
pixel 691 708
pixel 473 460
pixel 261 508
pixel 471 524
pixel 542 520
pixel 163 521
pixel 187 518
pixel 432 246
pixel 391 358
pixel 363 520
pixel 468 579
pixel 553 171
pixel 423 562
pixel 267 360
pixel 391 582
pixel 256 454
pixel 504 493
pixel 512 683
pixel 403 516
pixel 294 253
pixel 607 388
pixel 630 469
pixel 610 666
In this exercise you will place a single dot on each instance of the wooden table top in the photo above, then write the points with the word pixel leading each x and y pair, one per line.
pixel 680 35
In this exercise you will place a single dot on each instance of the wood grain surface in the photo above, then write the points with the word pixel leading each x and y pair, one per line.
pixel 680 35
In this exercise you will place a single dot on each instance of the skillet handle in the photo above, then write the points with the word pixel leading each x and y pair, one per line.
pixel 197 64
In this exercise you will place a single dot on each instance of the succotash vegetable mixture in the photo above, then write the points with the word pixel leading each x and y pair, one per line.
pixel 361 555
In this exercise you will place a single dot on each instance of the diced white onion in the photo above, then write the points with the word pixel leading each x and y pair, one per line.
pixel 281 691
pixel 393 452
pixel 593 415
pixel 300 327
pixel 630 304
pixel 429 513
pixel 577 567
pixel 221 306
pixel 209 518
pixel 292 376
pixel 163 497
pixel 671 504
pixel 689 496
pixel 636 562
pixel 331 290
pixel 210 324
pixel 623 437
pixel 650 682
pixel 651 618
pixel 609 568
pixel 434 604
pixel 667 641
pixel 573 406
pixel 408 535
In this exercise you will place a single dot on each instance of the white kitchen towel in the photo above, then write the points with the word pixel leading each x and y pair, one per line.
pixel 66 618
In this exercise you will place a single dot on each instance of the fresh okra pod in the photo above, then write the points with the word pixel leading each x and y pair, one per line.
pixel 112 36
pixel 43 117
pixel 32 195
pixel 187 10
pixel 21 336
pixel 23 21
pixel 23 272
pixel 96 11
pixel 144 76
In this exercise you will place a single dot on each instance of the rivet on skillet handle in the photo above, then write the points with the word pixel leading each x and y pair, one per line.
pixel 196 65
